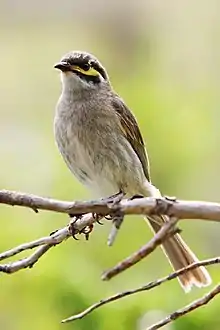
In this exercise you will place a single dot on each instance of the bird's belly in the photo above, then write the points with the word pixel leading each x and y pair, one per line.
pixel 104 179
pixel 104 166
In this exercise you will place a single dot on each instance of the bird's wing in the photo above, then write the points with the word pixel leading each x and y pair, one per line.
pixel 132 133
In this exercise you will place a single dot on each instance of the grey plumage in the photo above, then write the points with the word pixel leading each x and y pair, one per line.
pixel 101 143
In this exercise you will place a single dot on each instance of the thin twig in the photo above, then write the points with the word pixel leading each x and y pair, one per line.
pixel 56 238
pixel 26 262
pixel 165 232
pixel 187 309
pixel 145 287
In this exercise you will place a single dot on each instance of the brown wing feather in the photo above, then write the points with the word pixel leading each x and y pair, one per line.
pixel 132 132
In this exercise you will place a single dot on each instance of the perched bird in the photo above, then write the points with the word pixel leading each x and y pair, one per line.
pixel 102 145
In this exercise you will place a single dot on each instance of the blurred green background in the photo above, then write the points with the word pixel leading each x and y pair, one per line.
pixel 163 59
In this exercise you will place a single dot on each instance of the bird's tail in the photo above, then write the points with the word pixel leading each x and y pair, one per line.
pixel 180 255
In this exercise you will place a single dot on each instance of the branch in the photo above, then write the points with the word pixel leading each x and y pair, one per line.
pixel 147 287
pixel 147 206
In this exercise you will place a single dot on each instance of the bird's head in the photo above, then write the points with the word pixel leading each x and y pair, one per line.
pixel 81 70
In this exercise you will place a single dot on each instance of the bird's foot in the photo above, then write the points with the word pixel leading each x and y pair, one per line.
pixel 114 199
pixel 72 229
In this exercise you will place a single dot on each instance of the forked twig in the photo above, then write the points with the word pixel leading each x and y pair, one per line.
pixel 54 239
pixel 25 262
pixel 44 244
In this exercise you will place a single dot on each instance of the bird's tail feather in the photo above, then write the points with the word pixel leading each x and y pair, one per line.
pixel 179 256
pixel 177 251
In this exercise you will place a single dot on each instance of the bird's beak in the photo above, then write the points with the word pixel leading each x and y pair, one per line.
pixel 63 66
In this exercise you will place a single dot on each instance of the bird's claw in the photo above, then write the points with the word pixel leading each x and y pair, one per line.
pixel 99 222
pixel 53 232
pixel 109 217
pixel 97 218
pixel 136 196
pixel 86 231
pixel 73 231
pixel 170 198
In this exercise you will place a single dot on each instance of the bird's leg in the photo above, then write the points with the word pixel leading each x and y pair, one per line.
pixel 114 199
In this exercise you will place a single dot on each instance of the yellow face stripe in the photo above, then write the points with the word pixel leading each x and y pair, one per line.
pixel 90 72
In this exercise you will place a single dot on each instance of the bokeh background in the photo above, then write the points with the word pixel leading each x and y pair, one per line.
pixel 163 58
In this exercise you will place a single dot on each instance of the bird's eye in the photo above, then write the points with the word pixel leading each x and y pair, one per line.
pixel 86 67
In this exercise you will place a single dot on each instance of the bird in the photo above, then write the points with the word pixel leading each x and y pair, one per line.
pixel 102 145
